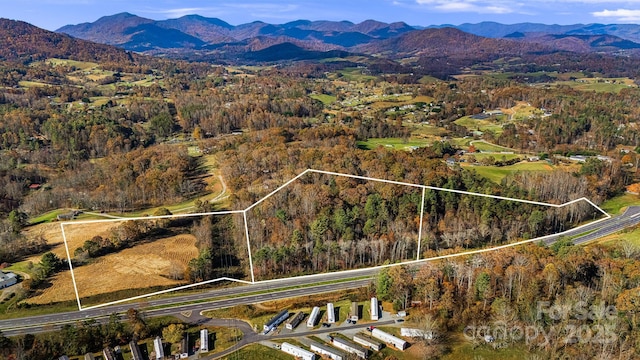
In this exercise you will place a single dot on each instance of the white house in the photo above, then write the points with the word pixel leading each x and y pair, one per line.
pixel 7 279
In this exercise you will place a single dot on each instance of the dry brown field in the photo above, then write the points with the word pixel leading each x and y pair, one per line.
pixel 139 267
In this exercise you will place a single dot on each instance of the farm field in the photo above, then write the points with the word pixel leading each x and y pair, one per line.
pixel 395 143
pixel 143 266
pixel 496 174
pixel 611 85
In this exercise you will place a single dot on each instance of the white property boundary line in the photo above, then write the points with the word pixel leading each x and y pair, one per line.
pixel 246 229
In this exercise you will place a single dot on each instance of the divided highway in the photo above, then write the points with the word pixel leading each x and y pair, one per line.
pixel 270 290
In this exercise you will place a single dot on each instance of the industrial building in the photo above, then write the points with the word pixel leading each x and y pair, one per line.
pixel 375 309
pixel 367 341
pixel 328 351
pixel 313 318
pixel 275 321
pixel 136 354
pixel 389 339
pixel 204 340
pixel 295 321
pixel 298 352
pixel 331 313
pixel 157 348
pixel 350 347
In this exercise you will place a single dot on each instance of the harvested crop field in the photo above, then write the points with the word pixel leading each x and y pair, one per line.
pixel 143 266
pixel 76 235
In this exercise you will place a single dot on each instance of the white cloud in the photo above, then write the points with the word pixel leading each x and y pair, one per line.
pixel 622 15
pixel 475 6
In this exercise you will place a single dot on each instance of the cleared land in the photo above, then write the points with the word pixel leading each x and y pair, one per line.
pixel 143 266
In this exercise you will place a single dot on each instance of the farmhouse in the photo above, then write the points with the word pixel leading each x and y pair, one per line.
pixel 7 279
pixel 276 320
pixel 350 347
pixel 297 351
pixel 389 339
pixel 328 351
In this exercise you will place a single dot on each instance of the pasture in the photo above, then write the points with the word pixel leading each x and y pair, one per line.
pixel 496 174
pixel 140 267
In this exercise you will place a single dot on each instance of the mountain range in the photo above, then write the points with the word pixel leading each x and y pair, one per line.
pixel 200 38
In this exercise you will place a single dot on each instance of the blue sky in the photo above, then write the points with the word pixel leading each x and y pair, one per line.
pixel 52 14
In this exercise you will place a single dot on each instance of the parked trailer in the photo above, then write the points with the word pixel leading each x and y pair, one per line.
pixel 389 339
pixel 375 309
pixel 136 354
pixel 157 347
pixel 298 352
pixel 204 340
pixel 295 321
pixel 416 333
pixel 350 347
pixel 275 321
pixel 313 318
pixel 368 341
pixel 354 316
pixel 328 351
pixel 331 313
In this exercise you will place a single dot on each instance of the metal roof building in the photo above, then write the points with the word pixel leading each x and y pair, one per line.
pixel 295 321
pixel 276 320
pixel 389 339
pixel 368 341
pixel 331 313
pixel 328 351
pixel 297 351
pixel 350 347
pixel 375 309
pixel 313 318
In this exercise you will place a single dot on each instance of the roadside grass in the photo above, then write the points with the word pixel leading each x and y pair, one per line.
pixel 223 338
pixel 10 310
pixel 496 174
pixel 631 235
pixel 324 98
pixel 395 143
pixel 617 204
pixel 258 351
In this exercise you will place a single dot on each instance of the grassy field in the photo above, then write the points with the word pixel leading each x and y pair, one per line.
pixel 147 265
pixel 617 204
pixel 496 156
pixel 611 85
pixel 485 146
pixel 496 174
pixel 82 65
pixel 395 143
pixel 326 99
pixel 354 74
pixel 482 125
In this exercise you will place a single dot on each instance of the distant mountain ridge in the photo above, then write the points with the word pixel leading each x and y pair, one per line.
pixel 136 33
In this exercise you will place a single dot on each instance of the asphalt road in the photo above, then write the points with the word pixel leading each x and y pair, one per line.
pixel 235 295
pixel 56 321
